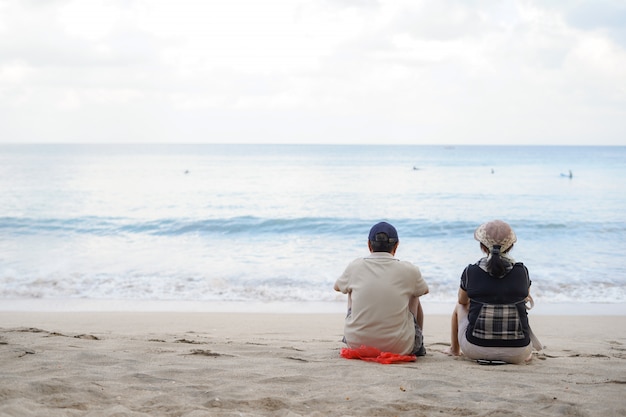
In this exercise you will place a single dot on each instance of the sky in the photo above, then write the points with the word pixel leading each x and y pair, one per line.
pixel 313 71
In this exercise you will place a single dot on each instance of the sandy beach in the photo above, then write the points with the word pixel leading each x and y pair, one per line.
pixel 268 364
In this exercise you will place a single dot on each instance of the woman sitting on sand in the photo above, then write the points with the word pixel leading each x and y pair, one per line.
pixel 490 322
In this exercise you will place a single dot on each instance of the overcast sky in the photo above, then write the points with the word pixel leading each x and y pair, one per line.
pixel 313 71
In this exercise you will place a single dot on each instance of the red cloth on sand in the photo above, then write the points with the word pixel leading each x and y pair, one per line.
pixel 371 354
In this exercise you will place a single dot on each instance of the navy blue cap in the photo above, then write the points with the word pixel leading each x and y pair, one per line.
pixel 386 228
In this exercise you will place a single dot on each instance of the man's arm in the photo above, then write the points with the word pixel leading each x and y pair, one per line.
pixel 416 309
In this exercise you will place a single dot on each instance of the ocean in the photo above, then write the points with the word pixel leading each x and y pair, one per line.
pixel 279 223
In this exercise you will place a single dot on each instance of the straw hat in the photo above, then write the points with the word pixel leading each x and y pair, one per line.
pixel 496 232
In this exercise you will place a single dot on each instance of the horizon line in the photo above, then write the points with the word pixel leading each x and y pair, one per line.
pixel 448 145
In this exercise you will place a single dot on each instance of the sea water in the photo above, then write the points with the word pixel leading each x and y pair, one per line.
pixel 279 223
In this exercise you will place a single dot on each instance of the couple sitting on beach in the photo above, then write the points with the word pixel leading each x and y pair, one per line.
pixel 489 323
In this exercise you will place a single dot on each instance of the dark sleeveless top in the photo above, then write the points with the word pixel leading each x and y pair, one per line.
pixel 497 313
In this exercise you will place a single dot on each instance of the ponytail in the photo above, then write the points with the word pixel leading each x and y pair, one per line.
pixel 496 265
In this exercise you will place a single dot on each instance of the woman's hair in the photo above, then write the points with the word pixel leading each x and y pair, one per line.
pixel 496 266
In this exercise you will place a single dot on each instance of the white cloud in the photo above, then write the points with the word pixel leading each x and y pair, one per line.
pixel 92 20
pixel 312 70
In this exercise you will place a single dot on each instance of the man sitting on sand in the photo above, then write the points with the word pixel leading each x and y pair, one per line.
pixel 384 311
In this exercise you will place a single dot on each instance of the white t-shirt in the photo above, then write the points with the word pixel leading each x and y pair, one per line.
pixel 381 287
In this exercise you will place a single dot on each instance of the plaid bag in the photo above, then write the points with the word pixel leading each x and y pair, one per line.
pixel 498 322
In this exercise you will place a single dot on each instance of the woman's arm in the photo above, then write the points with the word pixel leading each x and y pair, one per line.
pixel 463 297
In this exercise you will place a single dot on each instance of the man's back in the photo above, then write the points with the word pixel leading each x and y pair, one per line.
pixel 380 288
